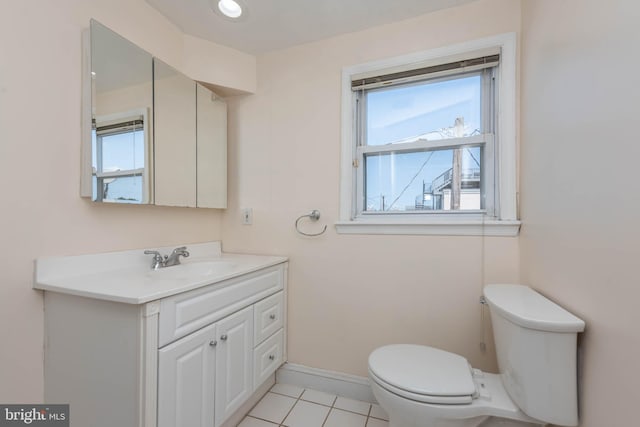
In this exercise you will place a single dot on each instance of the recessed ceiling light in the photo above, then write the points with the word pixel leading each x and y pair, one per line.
pixel 230 8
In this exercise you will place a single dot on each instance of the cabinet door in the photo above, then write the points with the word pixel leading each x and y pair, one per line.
pixel 234 363
pixel 211 135
pixel 186 380
pixel 174 165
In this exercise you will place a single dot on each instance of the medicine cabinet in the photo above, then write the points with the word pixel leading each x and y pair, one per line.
pixel 152 135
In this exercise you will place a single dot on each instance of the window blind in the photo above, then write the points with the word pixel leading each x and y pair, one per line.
pixel 422 72
pixel 126 126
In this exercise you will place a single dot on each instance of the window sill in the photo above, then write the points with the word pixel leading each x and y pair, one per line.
pixel 433 227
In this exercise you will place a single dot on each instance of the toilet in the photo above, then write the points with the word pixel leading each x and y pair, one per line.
pixel 420 386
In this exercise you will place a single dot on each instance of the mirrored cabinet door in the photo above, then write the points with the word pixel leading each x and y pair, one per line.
pixel 122 98
pixel 174 136
pixel 211 136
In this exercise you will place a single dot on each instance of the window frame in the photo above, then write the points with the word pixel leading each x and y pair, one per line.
pixel 500 218
pixel 485 140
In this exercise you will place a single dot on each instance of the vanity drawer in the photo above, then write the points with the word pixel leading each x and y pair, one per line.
pixel 268 317
pixel 187 312
pixel 267 358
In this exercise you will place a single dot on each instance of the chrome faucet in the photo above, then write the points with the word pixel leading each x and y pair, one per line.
pixel 160 261
pixel 174 258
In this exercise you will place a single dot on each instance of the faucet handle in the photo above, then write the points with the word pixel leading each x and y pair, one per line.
pixel 158 259
pixel 174 258
pixel 181 251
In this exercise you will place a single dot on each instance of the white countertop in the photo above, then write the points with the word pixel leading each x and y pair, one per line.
pixel 127 276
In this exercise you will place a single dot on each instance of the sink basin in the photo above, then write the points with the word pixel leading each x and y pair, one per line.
pixel 194 270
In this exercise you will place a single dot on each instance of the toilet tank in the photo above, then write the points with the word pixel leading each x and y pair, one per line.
pixel 536 349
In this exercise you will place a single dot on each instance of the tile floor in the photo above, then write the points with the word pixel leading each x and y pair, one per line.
pixel 292 406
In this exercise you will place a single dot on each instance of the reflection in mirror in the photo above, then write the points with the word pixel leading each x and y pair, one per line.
pixel 175 136
pixel 122 96
pixel 211 135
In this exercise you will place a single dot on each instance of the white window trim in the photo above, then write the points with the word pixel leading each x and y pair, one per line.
pixel 467 224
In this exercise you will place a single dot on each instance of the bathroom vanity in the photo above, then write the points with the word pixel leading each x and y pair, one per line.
pixel 195 344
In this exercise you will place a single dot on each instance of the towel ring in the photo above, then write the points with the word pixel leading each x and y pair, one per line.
pixel 314 215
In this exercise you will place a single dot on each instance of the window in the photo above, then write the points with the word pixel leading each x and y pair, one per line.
pixel 119 158
pixel 422 146
pixel 429 142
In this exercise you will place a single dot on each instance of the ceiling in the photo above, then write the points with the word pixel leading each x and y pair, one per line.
pixel 276 24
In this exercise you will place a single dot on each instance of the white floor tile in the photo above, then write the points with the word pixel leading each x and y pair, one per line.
pixel 318 397
pixel 254 422
pixel 273 407
pixel 306 414
pixel 353 405
pixel 378 412
pixel 339 418
pixel 374 422
pixel 287 390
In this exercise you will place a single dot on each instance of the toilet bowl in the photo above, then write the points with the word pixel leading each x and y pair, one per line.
pixel 421 386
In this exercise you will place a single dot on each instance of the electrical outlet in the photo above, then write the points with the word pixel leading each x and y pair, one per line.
pixel 247 216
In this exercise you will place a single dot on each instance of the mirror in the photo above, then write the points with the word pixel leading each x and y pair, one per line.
pixel 175 136
pixel 121 114
pixel 157 137
pixel 211 137
pixel 190 148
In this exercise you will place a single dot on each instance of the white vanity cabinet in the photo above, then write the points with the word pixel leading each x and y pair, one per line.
pixel 196 358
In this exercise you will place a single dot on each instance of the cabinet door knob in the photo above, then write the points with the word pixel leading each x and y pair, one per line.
pixel 272 316
pixel 271 357
pixel 213 343
pixel 223 337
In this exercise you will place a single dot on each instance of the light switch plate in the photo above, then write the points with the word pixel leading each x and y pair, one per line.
pixel 247 216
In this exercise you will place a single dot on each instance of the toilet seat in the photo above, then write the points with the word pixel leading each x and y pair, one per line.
pixel 424 374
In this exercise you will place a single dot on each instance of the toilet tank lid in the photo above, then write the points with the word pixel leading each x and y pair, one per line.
pixel 527 308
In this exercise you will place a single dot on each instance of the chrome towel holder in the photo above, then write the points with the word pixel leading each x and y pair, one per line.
pixel 314 215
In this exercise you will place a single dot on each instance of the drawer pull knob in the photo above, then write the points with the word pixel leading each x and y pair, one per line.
pixel 213 343
pixel 223 337
pixel 271 357
pixel 272 316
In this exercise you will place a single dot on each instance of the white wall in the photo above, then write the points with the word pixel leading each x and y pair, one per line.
pixel 135 97
pixel 350 294
pixel 203 59
pixel 41 211
pixel 580 202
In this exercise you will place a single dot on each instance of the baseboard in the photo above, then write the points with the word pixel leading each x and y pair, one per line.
pixel 338 383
